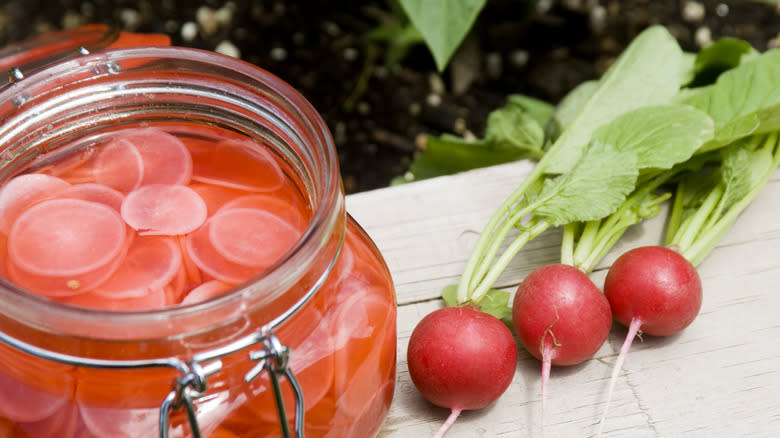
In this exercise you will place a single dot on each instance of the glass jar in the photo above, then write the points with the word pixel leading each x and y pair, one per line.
pixel 316 329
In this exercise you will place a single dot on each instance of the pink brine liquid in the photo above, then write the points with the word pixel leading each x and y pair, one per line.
pixel 148 219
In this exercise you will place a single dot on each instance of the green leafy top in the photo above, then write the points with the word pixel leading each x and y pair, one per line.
pixel 744 100
pixel 594 188
pixel 443 23
pixel 513 132
pixel 648 72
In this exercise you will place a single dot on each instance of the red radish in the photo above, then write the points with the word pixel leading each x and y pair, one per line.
pixel 164 209
pixel 653 290
pixel 561 318
pixel 461 358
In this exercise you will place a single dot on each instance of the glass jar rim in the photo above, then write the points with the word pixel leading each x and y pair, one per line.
pixel 325 213
pixel 39 52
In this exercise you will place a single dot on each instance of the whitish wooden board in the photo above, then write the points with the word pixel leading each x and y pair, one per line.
pixel 719 378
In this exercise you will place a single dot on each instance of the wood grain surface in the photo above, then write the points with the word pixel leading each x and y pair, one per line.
pixel 718 378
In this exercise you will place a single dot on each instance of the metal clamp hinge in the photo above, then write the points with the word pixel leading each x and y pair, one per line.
pixel 191 385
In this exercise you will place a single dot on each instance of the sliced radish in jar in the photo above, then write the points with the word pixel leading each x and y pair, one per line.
pixel 363 334
pixel 61 237
pixel 65 423
pixel 110 422
pixel 203 254
pixel 191 269
pixel 119 166
pixel 311 364
pixel 23 191
pixel 216 196
pixel 205 291
pixel 75 168
pixel 152 299
pixel 59 287
pixel 96 193
pixel 284 209
pixel 151 263
pixel 251 237
pixel 243 165
pixel 166 160
pixel 163 209
pixel 22 403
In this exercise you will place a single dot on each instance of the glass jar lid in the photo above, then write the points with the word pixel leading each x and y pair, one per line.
pixel 23 58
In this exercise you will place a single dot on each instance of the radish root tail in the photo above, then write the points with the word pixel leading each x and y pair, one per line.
pixel 633 330
pixel 546 365
pixel 449 422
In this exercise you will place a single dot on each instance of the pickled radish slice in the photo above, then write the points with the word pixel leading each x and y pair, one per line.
pixel 153 299
pixel 166 160
pixel 61 286
pixel 164 209
pixel 205 291
pixel 282 208
pixel 96 193
pixel 180 284
pixel 312 360
pixel 75 168
pixel 65 423
pixel 62 237
pixel 3 256
pixel 203 254
pixel 10 428
pixel 251 237
pixel 23 403
pixel 363 326
pixel 366 423
pixel 151 263
pixel 190 268
pixel 23 191
pixel 119 166
pixel 121 422
pixel 238 164
pixel 216 196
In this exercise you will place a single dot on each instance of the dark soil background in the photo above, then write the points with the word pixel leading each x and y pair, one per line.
pixel 380 114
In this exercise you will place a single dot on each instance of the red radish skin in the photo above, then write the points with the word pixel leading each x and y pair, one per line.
pixel 462 359
pixel 652 290
pixel 560 317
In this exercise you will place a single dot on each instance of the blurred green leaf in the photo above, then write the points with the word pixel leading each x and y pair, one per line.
pixel 443 24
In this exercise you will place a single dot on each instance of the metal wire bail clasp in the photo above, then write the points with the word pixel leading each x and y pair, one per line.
pixel 187 388
pixel 275 358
